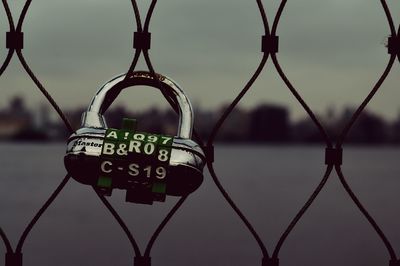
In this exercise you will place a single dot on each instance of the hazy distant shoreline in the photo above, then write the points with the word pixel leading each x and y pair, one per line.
pixel 265 123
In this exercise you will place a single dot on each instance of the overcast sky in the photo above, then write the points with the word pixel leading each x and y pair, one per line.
pixel 333 51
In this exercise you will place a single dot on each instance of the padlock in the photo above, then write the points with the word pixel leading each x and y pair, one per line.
pixel 84 148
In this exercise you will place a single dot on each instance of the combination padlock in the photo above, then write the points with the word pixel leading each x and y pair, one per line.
pixel 84 162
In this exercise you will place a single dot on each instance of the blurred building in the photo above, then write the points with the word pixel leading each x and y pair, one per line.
pixel 15 119
pixel 269 123
pixel 235 127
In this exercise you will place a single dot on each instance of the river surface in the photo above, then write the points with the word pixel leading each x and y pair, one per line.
pixel 269 183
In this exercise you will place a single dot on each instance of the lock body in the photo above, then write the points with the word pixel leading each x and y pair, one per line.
pixel 83 161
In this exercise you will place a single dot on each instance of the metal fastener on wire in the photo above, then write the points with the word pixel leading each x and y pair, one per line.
pixel 209 152
pixel 394 45
pixel 333 156
pixel 270 262
pixel 13 259
pixel 141 40
pixel 394 263
pixel 270 44
pixel 142 261
pixel 14 40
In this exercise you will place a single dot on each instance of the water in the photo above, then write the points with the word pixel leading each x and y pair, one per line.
pixel 269 183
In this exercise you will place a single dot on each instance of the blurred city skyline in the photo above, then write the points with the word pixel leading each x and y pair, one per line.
pixel 333 54
pixel 264 123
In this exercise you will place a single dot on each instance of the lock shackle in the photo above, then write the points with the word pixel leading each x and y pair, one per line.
pixel 94 118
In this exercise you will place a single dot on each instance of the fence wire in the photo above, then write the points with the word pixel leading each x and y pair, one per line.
pixel 270 44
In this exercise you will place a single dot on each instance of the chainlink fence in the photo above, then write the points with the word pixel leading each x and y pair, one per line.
pixel 270 49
